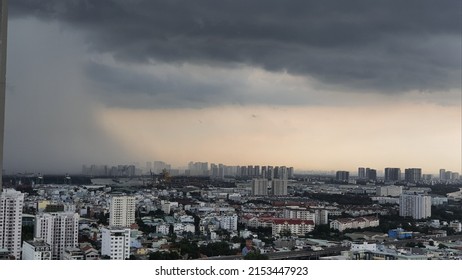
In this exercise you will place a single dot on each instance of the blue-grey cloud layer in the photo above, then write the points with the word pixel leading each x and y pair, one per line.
pixel 381 46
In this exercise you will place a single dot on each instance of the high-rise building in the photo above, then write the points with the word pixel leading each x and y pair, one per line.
pixel 115 243
pixel 361 173
pixel 371 174
pixel 276 172
pixel 392 174
pixel 279 187
pixel 264 173
pixel 290 172
pixel 11 204
pixel 243 172
pixel 228 222
pixel 122 211
pixel 3 32
pixel 321 216
pixel 221 171
pixel 415 206
pixel 213 170
pixel 256 171
pixel 442 174
pixel 448 175
pixel 260 187
pixel 59 229
pixel 250 171
pixel 148 168
pixel 342 176
pixel 283 175
pixel 412 175
pixel 270 173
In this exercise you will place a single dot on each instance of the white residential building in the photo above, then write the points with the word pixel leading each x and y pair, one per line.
pixel 179 228
pixel 296 227
pixel 354 223
pixel 115 243
pixel 279 187
pixel 456 225
pixel 166 207
pixel 389 190
pixel 295 212
pixel 260 187
pixel 122 211
pixel 437 200
pixel 163 228
pixel 228 222
pixel 355 247
pixel 11 204
pixel 59 229
pixel 36 250
pixel 186 219
pixel 415 206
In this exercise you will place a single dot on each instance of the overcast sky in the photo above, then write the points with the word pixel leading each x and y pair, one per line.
pixel 324 85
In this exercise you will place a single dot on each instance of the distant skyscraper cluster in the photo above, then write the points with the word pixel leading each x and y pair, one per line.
pixel 446 175
pixel 367 174
pixel 393 174
pixel 198 169
pixel 110 171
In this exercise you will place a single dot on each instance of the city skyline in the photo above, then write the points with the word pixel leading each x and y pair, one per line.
pixel 282 84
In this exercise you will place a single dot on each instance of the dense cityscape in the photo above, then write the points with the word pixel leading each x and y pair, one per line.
pixel 211 211
pixel 319 131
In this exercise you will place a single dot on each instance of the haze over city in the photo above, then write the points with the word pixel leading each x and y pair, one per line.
pixel 327 87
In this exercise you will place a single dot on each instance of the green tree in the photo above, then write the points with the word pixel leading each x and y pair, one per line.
pixel 285 233
pixel 256 256
pixel 164 256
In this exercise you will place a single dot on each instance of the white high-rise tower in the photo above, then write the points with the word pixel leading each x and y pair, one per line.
pixel 11 203
pixel 122 211
pixel 58 229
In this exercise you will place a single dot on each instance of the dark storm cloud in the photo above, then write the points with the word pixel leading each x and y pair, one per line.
pixel 179 87
pixel 382 46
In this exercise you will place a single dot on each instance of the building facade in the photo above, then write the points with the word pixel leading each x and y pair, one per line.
pixel 354 223
pixel 36 250
pixel 11 204
pixel 361 173
pixel 279 187
pixel 415 206
pixel 413 175
pixel 59 229
pixel 295 212
pixel 122 211
pixel 260 187
pixel 294 227
pixel 392 174
pixel 343 176
pixel 389 190
pixel 115 243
